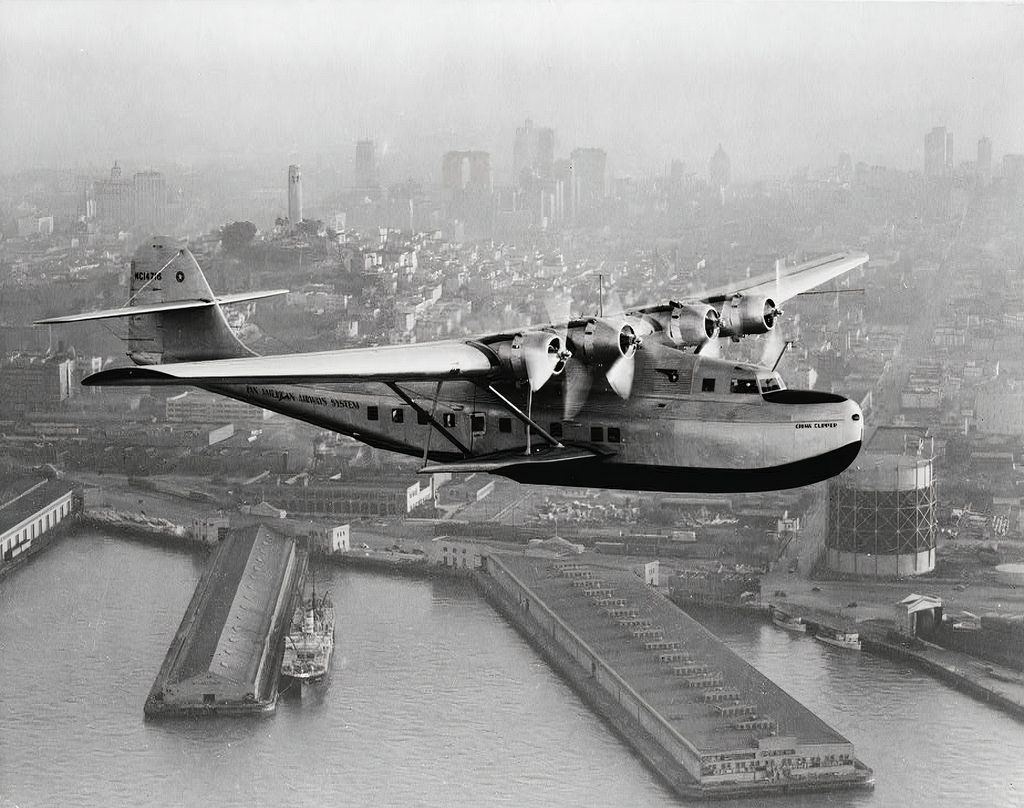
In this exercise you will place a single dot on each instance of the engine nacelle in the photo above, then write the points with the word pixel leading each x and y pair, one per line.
pixel 747 315
pixel 689 324
pixel 532 355
pixel 601 341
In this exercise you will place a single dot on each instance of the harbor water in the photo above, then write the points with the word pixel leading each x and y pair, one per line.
pixel 432 701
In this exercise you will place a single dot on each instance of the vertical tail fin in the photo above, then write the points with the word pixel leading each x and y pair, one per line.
pixel 163 271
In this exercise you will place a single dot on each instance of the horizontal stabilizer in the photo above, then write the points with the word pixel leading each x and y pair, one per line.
pixel 503 461
pixel 242 297
pixel 157 308
pixel 126 311
pixel 436 361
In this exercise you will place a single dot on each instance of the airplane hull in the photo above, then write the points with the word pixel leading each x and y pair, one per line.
pixel 602 473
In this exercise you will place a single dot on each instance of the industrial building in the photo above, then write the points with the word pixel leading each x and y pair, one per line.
pixel 194 407
pixel 29 509
pixel 882 514
pixel 381 498
pixel 225 656
pixel 32 383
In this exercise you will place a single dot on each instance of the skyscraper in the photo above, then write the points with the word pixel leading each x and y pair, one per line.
pixel 366 164
pixel 294 194
pixel 589 186
pixel 150 199
pixel 984 167
pixel 719 169
pixel 113 199
pixel 466 178
pixel 938 153
pixel 466 171
pixel 844 168
pixel 533 153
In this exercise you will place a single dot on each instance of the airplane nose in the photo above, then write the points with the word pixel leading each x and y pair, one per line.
pixel 852 422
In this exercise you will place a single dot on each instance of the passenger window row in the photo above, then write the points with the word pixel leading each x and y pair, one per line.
pixel 478 422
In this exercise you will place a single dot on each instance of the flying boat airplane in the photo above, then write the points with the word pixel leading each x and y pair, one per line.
pixel 633 400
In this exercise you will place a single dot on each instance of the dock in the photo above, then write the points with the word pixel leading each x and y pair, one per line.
pixel 706 721
pixel 225 656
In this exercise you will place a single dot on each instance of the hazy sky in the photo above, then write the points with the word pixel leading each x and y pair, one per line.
pixel 778 84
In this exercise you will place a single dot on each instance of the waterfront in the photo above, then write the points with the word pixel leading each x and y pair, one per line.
pixel 929 745
pixel 433 701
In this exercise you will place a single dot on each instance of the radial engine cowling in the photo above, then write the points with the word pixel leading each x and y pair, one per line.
pixel 600 341
pixel 533 356
pixel 690 324
pixel 748 315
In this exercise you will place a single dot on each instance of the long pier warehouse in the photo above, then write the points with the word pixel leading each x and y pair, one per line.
pixel 225 656
pixel 726 729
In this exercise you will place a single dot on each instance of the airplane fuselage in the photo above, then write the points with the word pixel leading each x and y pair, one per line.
pixel 691 424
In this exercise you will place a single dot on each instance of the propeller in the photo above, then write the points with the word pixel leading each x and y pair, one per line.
pixel 774 342
pixel 544 355
pixel 609 343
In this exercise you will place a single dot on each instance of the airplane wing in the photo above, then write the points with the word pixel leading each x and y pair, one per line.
pixel 791 281
pixel 428 361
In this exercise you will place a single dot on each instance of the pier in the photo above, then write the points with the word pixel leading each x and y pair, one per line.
pixel 705 720
pixel 225 656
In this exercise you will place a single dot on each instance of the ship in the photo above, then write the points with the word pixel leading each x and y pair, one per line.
pixel 309 643
pixel 838 637
pixel 788 622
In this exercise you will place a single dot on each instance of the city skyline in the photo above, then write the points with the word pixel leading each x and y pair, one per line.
pixel 780 85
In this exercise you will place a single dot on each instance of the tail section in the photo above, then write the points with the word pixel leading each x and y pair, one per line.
pixel 173 315
pixel 164 272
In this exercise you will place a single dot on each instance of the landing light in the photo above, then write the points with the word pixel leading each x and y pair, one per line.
pixel 856 416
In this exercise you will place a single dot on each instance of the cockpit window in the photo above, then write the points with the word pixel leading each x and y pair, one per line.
pixel 769 384
pixel 747 386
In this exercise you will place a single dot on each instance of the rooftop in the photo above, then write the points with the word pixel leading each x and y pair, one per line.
pixel 704 690
pixel 236 604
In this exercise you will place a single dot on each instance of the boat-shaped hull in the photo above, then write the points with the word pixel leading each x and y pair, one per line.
pixel 851 642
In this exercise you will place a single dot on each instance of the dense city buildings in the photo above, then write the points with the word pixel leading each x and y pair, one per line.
pixel 419 261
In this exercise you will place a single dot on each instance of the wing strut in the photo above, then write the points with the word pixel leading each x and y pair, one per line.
pixel 526 419
pixel 430 418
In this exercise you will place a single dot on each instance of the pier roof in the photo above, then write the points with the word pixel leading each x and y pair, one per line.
pixel 705 664
pixel 234 607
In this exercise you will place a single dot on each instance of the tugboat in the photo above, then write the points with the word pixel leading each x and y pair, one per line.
pixel 788 622
pixel 310 641
pixel 838 637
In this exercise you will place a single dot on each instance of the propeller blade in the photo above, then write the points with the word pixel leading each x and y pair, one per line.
pixel 773 341
pixel 711 348
pixel 620 375
pixel 539 367
pixel 575 388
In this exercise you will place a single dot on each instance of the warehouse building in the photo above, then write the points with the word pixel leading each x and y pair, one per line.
pixel 29 510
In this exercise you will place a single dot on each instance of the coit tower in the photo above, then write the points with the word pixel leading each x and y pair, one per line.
pixel 294 195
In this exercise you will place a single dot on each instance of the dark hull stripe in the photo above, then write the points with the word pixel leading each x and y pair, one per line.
pixel 598 473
